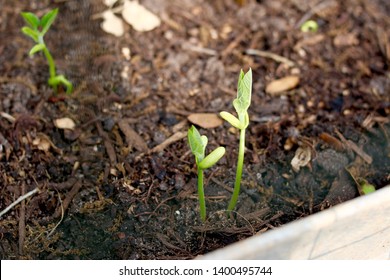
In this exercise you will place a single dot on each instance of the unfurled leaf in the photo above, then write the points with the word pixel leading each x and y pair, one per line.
pixel 244 92
pixel 212 158
pixel 197 143
pixel 47 20
pixel 31 19
pixel 30 33
pixel 36 48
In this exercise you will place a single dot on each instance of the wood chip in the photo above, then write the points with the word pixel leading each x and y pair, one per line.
pixel 349 39
pixel 132 137
pixel 112 24
pixel 174 138
pixel 359 151
pixel 277 86
pixel 140 18
pixel 64 123
pixel 205 120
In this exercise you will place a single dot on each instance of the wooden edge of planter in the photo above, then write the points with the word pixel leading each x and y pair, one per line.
pixel 356 229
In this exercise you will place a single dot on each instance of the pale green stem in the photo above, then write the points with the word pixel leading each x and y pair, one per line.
pixel 50 60
pixel 240 163
pixel 202 202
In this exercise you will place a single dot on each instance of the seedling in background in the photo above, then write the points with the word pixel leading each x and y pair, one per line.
pixel 198 145
pixel 309 26
pixel 36 29
pixel 241 105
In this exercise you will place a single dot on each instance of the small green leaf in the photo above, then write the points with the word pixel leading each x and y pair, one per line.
pixel 30 33
pixel 231 119
pixel 244 92
pixel 31 19
pixel 212 158
pixel 47 20
pixel 36 48
pixel 309 26
pixel 368 189
pixel 197 143
pixel 365 186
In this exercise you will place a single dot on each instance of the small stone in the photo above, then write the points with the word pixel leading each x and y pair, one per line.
pixel 163 186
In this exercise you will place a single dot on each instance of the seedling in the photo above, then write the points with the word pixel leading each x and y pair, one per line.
pixel 309 26
pixel 36 29
pixel 198 145
pixel 241 105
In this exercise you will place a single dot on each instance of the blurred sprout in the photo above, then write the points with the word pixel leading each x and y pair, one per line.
pixel 309 26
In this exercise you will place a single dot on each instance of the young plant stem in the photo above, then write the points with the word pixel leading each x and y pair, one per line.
pixel 52 67
pixel 240 163
pixel 202 202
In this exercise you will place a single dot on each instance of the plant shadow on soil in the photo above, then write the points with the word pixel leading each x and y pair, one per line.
pixel 112 189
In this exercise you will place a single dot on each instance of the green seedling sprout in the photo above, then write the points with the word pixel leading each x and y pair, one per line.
pixel 198 145
pixel 241 105
pixel 36 29
pixel 309 26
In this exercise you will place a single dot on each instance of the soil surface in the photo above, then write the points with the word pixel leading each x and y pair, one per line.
pixel 122 183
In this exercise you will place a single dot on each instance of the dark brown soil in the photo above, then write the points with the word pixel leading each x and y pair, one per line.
pixel 112 189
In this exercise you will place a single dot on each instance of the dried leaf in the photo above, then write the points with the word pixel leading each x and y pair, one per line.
pixel 133 139
pixel 64 123
pixel 205 120
pixel 43 143
pixel 112 24
pixel 282 84
pixel 139 17
pixel 302 158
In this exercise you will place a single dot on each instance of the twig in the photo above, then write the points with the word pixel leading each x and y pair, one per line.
pixel 219 183
pixel 8 117
pixel 64 185
pixel 22 221
pixel 21 198
pixel 107 144
pixel 199 49
pixel 174 138
pixel 271 55
pixel 233 45
pixel 62 216
pixel 359 151
pixel 68 200
pixel 133 139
